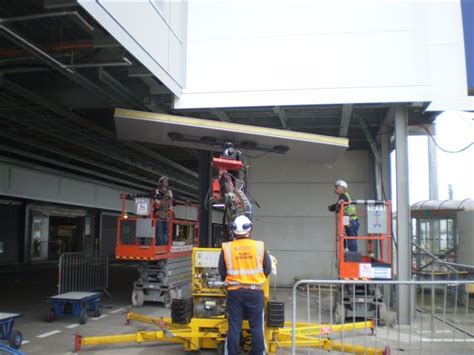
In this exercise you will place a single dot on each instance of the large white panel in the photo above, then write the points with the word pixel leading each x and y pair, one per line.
pixel 307 62
pixel 144 25
pixel 324 52
pixel 177 59
pixel 178 19
pixel 233 19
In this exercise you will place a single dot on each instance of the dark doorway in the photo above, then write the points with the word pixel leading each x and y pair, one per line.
pixel 66 234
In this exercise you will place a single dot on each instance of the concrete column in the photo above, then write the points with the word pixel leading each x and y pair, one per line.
pixel 403 212
pixel 205 210
pixel 433 165
pixel 385 150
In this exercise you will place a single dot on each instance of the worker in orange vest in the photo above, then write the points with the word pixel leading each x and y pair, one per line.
pixel 244 265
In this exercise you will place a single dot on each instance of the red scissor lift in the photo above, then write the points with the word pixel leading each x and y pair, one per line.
pixel 373 261
pixel 165 269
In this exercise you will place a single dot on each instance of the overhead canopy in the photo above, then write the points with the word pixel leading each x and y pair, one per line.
pixel 206 134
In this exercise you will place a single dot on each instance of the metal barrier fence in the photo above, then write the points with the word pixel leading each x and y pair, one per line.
pixel 440 318
pixel 83 272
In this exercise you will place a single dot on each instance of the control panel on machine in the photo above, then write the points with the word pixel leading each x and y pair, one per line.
pixel 208 289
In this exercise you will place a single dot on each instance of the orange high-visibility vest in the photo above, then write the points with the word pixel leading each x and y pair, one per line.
pixel 244 262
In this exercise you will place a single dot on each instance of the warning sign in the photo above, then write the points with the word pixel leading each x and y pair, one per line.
pixel 382 273
pixel 366 271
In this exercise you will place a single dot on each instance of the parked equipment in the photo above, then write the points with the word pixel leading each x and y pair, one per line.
pixel 200 322
pixel 77 304
pixel 7 322
pixel 165 272
pixel 373 264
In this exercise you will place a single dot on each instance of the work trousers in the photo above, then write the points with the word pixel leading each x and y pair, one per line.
pixel 250 303
pixel 161 233
pixel 352 231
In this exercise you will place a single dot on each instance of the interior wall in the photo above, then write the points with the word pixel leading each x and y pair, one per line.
pixel 37 185
pixel 465 224
pixel 294 221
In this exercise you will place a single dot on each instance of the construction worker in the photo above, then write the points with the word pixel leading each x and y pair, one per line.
pixel 244 265
pixel 163 203
pixel 352 230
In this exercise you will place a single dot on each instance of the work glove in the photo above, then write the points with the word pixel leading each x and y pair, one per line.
pixel 274 264
pixel 333 208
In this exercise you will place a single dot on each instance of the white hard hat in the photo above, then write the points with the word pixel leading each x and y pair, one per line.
pixel 241 225
pixel 341 183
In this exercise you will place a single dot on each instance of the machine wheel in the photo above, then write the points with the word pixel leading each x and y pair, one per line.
pixel 16 338
pixel 167 299
pixel 137 298
pixel 97 310
pixel 50 314
pixel 83 316
pixel 339 314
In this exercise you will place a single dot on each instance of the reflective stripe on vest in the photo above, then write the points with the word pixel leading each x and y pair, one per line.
pixel 244 262
pixel 350 210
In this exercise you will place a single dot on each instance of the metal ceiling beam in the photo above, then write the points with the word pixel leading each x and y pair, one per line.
pixel 61 137
pixel 27 94
pixel 388 120
pixel 221 115
pixel 282 115
pixel 63 165
pixel 345 120
pixel 82 21
pixel 59 4
pixel 120 89
pixel 72 156
pixel 55 64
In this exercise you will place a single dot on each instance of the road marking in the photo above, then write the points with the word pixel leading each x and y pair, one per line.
pixel 44 335
pixel 70 326
pixel 117 311
pixel 436 331
pixel 24 342
pixel 447 340
pixel 102 316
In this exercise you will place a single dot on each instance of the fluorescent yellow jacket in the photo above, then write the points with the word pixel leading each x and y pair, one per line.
pixel 244 262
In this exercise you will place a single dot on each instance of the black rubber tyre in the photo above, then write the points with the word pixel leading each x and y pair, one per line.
pixel 83 317
pixel 16 338
pixel 98 310
pixel 50 314
pixel 137 298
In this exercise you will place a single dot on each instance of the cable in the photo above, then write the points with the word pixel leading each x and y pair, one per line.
pixel 441 148
pixel 257 156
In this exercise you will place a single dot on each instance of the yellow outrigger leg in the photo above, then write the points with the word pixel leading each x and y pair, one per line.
pixel 210 333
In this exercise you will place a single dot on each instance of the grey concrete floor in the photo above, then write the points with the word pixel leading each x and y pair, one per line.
pixel 26 292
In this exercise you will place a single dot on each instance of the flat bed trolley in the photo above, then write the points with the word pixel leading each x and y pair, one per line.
pixel 77 304
pixel 7 322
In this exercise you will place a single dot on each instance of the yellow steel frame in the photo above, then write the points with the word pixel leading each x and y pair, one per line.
pixel 209 333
